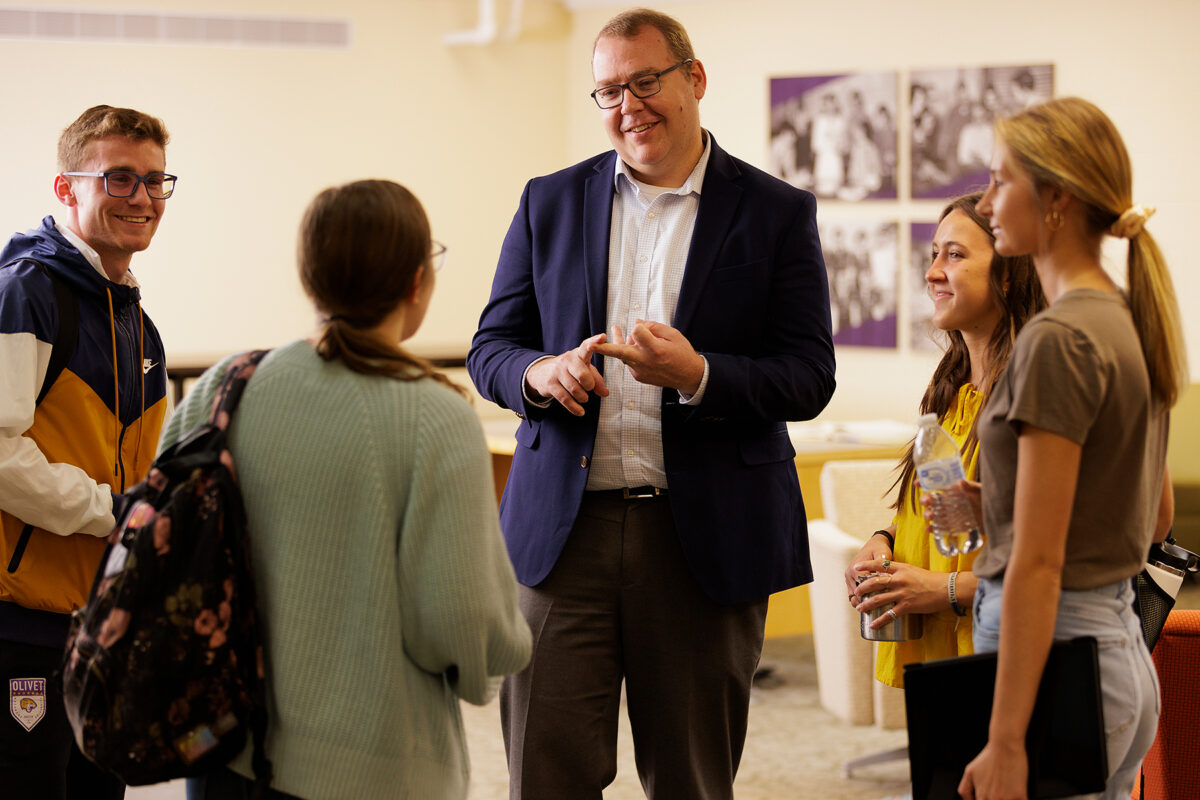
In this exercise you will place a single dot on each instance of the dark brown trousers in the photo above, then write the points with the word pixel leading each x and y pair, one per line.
pixel 621 603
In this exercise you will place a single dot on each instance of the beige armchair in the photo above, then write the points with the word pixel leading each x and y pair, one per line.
pixel 856 499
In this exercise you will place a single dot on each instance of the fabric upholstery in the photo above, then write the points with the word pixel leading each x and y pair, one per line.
pixel 853 494
pixel 1170 768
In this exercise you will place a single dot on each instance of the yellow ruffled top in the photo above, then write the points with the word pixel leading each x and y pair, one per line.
pixel 945 634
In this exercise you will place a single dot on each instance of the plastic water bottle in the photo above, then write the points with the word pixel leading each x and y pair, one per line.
pixel 939 467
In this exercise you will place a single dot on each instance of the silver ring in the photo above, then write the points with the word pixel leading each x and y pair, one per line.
pixel 886 564
pixel 892 613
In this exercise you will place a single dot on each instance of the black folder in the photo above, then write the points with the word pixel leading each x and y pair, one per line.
pixel 949 706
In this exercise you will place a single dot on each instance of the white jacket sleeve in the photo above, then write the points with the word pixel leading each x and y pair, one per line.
pixel 60 498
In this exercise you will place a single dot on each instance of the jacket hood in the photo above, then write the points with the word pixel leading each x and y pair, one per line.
pixel 44 243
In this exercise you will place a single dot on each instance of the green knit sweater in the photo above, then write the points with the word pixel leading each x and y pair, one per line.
pixel 383 583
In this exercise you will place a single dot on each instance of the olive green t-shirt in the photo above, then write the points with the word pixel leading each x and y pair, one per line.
pixel 1077 370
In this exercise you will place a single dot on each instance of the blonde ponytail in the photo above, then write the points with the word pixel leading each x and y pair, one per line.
pixel 1071 143
pixel 1156 317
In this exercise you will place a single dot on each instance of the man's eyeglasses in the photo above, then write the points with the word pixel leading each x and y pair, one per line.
pixel 124 183
pixel 640 87
pixel 437 256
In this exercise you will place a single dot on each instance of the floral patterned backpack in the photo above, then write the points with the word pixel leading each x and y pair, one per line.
pixel 163 671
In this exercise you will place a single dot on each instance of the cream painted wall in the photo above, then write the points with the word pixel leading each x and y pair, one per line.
pixel 256 132
pixel 1140 66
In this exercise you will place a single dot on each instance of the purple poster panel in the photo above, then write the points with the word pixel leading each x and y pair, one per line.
pixel 835 135
pixel 952 112
pixel 860 257
pixel 924 337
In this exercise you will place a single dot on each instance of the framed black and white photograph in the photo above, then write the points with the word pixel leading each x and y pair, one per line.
pixel 860 258
pixel 951 112
pixel 835 135
pixel 923 336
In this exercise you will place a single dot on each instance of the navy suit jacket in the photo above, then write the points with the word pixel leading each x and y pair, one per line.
pixel 754 301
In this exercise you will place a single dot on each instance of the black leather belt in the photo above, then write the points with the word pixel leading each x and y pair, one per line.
pixel 634 493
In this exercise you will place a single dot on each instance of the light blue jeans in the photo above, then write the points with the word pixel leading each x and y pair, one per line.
pixel 1128 680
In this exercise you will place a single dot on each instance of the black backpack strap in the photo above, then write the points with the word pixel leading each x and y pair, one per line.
pixel 264 771
pixel 229 393
pixel 67 337
pixel 225 402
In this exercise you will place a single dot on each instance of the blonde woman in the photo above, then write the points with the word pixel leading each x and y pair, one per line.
pixel 1073 438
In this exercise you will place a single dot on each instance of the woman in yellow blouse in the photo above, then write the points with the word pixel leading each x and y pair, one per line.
pixel 981 300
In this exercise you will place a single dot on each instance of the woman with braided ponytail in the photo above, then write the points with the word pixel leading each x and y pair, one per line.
pixel 1073 438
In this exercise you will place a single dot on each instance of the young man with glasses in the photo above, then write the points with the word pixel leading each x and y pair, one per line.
pixel 658 313
pixel 81 406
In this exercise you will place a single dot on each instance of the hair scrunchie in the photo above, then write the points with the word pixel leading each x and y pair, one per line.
pixel 1131 221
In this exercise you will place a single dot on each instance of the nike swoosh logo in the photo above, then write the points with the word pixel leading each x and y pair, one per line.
pixel 148 365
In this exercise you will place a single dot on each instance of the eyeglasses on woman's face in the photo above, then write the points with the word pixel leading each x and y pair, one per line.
pixel 437 256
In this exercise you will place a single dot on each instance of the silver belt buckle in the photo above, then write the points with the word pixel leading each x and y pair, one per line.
pixel 640 492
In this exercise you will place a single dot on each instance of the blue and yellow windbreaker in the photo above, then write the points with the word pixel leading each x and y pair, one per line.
pixel 94 435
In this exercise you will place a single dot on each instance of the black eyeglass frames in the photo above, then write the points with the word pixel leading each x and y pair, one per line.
pixel 641 87
pixel 124 183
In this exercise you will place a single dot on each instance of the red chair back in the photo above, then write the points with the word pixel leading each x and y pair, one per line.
pixel 1172 767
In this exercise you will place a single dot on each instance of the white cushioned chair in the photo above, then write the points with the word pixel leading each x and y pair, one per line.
pixel 856 499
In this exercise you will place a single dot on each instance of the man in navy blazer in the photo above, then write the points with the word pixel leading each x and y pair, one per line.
pixel 658 314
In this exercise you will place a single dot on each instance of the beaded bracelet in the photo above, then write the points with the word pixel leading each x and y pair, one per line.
pixel 954 606
pixel 891 539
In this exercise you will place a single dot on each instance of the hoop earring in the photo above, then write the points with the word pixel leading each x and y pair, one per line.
pixel 1054 220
